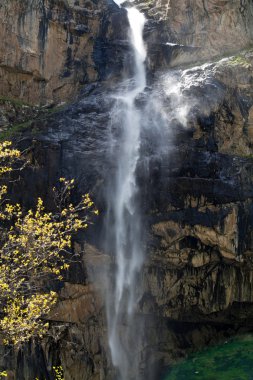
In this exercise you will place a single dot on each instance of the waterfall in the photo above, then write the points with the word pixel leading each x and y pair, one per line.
pixel 123 237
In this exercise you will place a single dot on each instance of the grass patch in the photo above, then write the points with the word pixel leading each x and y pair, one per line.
pixel 239 61
pixel 29 120
pixel 55 109
pixel 14 130
pixel 16 102
pixel 229 361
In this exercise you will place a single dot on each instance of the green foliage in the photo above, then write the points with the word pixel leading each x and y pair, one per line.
pixel 24 116
pixel 230 361
pixel 14 130
pixel 55 109
pixel 239 61
pixel 16 102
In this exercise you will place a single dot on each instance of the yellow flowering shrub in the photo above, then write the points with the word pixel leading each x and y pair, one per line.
pixel 34 248
pixel 58 372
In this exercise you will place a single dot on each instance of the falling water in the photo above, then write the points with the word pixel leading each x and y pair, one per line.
pixel 124 220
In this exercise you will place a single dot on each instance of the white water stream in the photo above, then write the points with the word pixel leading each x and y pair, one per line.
pixel 124 218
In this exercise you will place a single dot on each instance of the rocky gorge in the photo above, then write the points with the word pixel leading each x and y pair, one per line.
pixel 194 172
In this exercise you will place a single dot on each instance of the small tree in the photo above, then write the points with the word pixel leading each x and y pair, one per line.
pixel 34 248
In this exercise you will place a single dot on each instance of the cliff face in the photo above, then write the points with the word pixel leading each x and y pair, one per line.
pixel 196 181
pixel 213 27
pixel 197 193
pixel 48 49
pixel 202 218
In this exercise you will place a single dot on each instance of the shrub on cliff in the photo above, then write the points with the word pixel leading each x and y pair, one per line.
pixel 34 247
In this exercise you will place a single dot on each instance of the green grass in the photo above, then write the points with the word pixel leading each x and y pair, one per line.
pixel 229 361
pixel 15 102
pixel 14 130
pixel 239 61
pixel 18 128
pixel 55 109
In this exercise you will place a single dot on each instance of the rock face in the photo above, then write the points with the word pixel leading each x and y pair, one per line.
pixel 213 27
pixel 49 49
pixel 195 176
pixel 197 192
